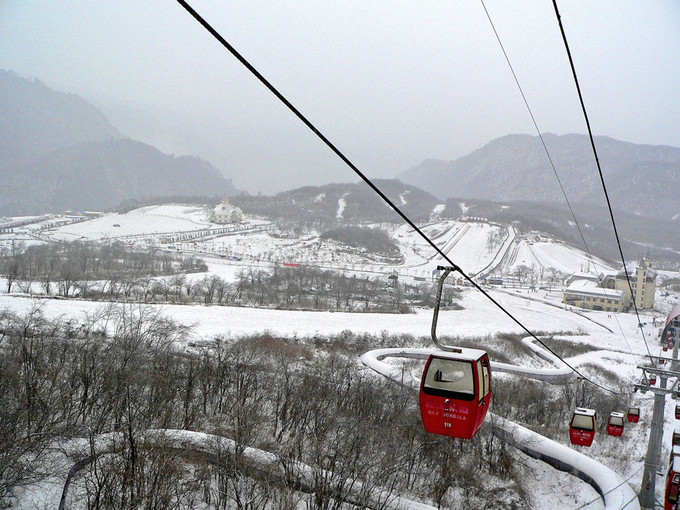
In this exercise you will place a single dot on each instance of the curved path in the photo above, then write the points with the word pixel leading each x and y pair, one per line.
pixel 213 449
pixel 615 491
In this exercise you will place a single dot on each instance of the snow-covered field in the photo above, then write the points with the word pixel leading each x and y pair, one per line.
pixel 474 246
pixel 161 219
pixel 563 258
pixel 478 318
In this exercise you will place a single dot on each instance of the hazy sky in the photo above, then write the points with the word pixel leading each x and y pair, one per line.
pixel 389 82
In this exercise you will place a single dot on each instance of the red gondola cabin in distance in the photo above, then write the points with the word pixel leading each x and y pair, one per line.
pixel 633 414
pixel 677 411
pixel 455 392
pixel 672 485
pixel 582 426
pixel 615 424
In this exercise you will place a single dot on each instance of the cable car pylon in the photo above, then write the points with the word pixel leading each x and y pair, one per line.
pixel 653 457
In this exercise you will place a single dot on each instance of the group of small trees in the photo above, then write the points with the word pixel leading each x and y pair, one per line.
pixel 68 268
pixel 372 240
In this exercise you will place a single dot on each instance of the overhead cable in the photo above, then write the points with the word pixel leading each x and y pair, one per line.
pixel 599 169
pixel 552 164
pixel 356 170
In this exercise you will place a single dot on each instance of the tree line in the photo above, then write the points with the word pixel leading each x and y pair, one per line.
pixel 118 272
pixel 66 269
pixel 300 288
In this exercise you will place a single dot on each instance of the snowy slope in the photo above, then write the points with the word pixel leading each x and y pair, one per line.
pixel 546 254
pixel 145 221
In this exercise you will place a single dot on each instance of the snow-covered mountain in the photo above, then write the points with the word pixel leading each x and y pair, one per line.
pixel 59 152
pixel 641 179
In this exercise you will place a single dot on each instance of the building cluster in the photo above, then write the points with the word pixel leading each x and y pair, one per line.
pixel 611 292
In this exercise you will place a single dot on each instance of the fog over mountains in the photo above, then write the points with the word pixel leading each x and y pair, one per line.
pixel 59 152
pixel 641 179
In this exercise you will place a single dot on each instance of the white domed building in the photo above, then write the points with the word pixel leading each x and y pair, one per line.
pixel 226 213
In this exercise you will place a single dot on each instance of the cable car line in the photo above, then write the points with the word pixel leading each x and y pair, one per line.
pixel 356 170
pixel 547 153
pixel 538 131
pixel 559 456
pixel 599 169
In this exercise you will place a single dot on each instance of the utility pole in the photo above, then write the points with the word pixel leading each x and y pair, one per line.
pixel 653 458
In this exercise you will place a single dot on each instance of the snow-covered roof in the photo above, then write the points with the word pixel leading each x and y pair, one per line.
pixel 465 353
pixel 584 276
pixel 225 208
pixel 584 411
pixel 650 273
pixel 590 288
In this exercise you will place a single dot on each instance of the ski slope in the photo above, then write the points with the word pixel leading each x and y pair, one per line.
pixel 542 255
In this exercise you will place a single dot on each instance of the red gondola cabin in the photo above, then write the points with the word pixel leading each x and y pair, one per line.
pixel 677 411
pixel 582 426
pixel 672 485
pixel 652 379
pixel 675 452
pixel 455 392
pixel 615 424
pixel 633 414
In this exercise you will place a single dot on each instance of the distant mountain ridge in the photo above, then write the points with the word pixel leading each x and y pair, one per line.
pixel 101 175
pixel 641 179
pixel 343 202
pixel 324 207
pixel 35 120
pixel 59 152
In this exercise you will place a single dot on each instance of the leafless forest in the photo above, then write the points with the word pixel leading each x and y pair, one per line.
pixel 307 402
pixel 117 272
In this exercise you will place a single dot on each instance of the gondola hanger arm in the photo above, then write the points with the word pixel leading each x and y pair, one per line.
pixel 435 316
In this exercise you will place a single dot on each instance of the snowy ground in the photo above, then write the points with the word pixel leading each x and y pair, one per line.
pixel 548 254
pixel 478 318
pixel 472 245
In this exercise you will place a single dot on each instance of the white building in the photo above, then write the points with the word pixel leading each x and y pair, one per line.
pixel 226 213
pixel 611 292
pixel 587 294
